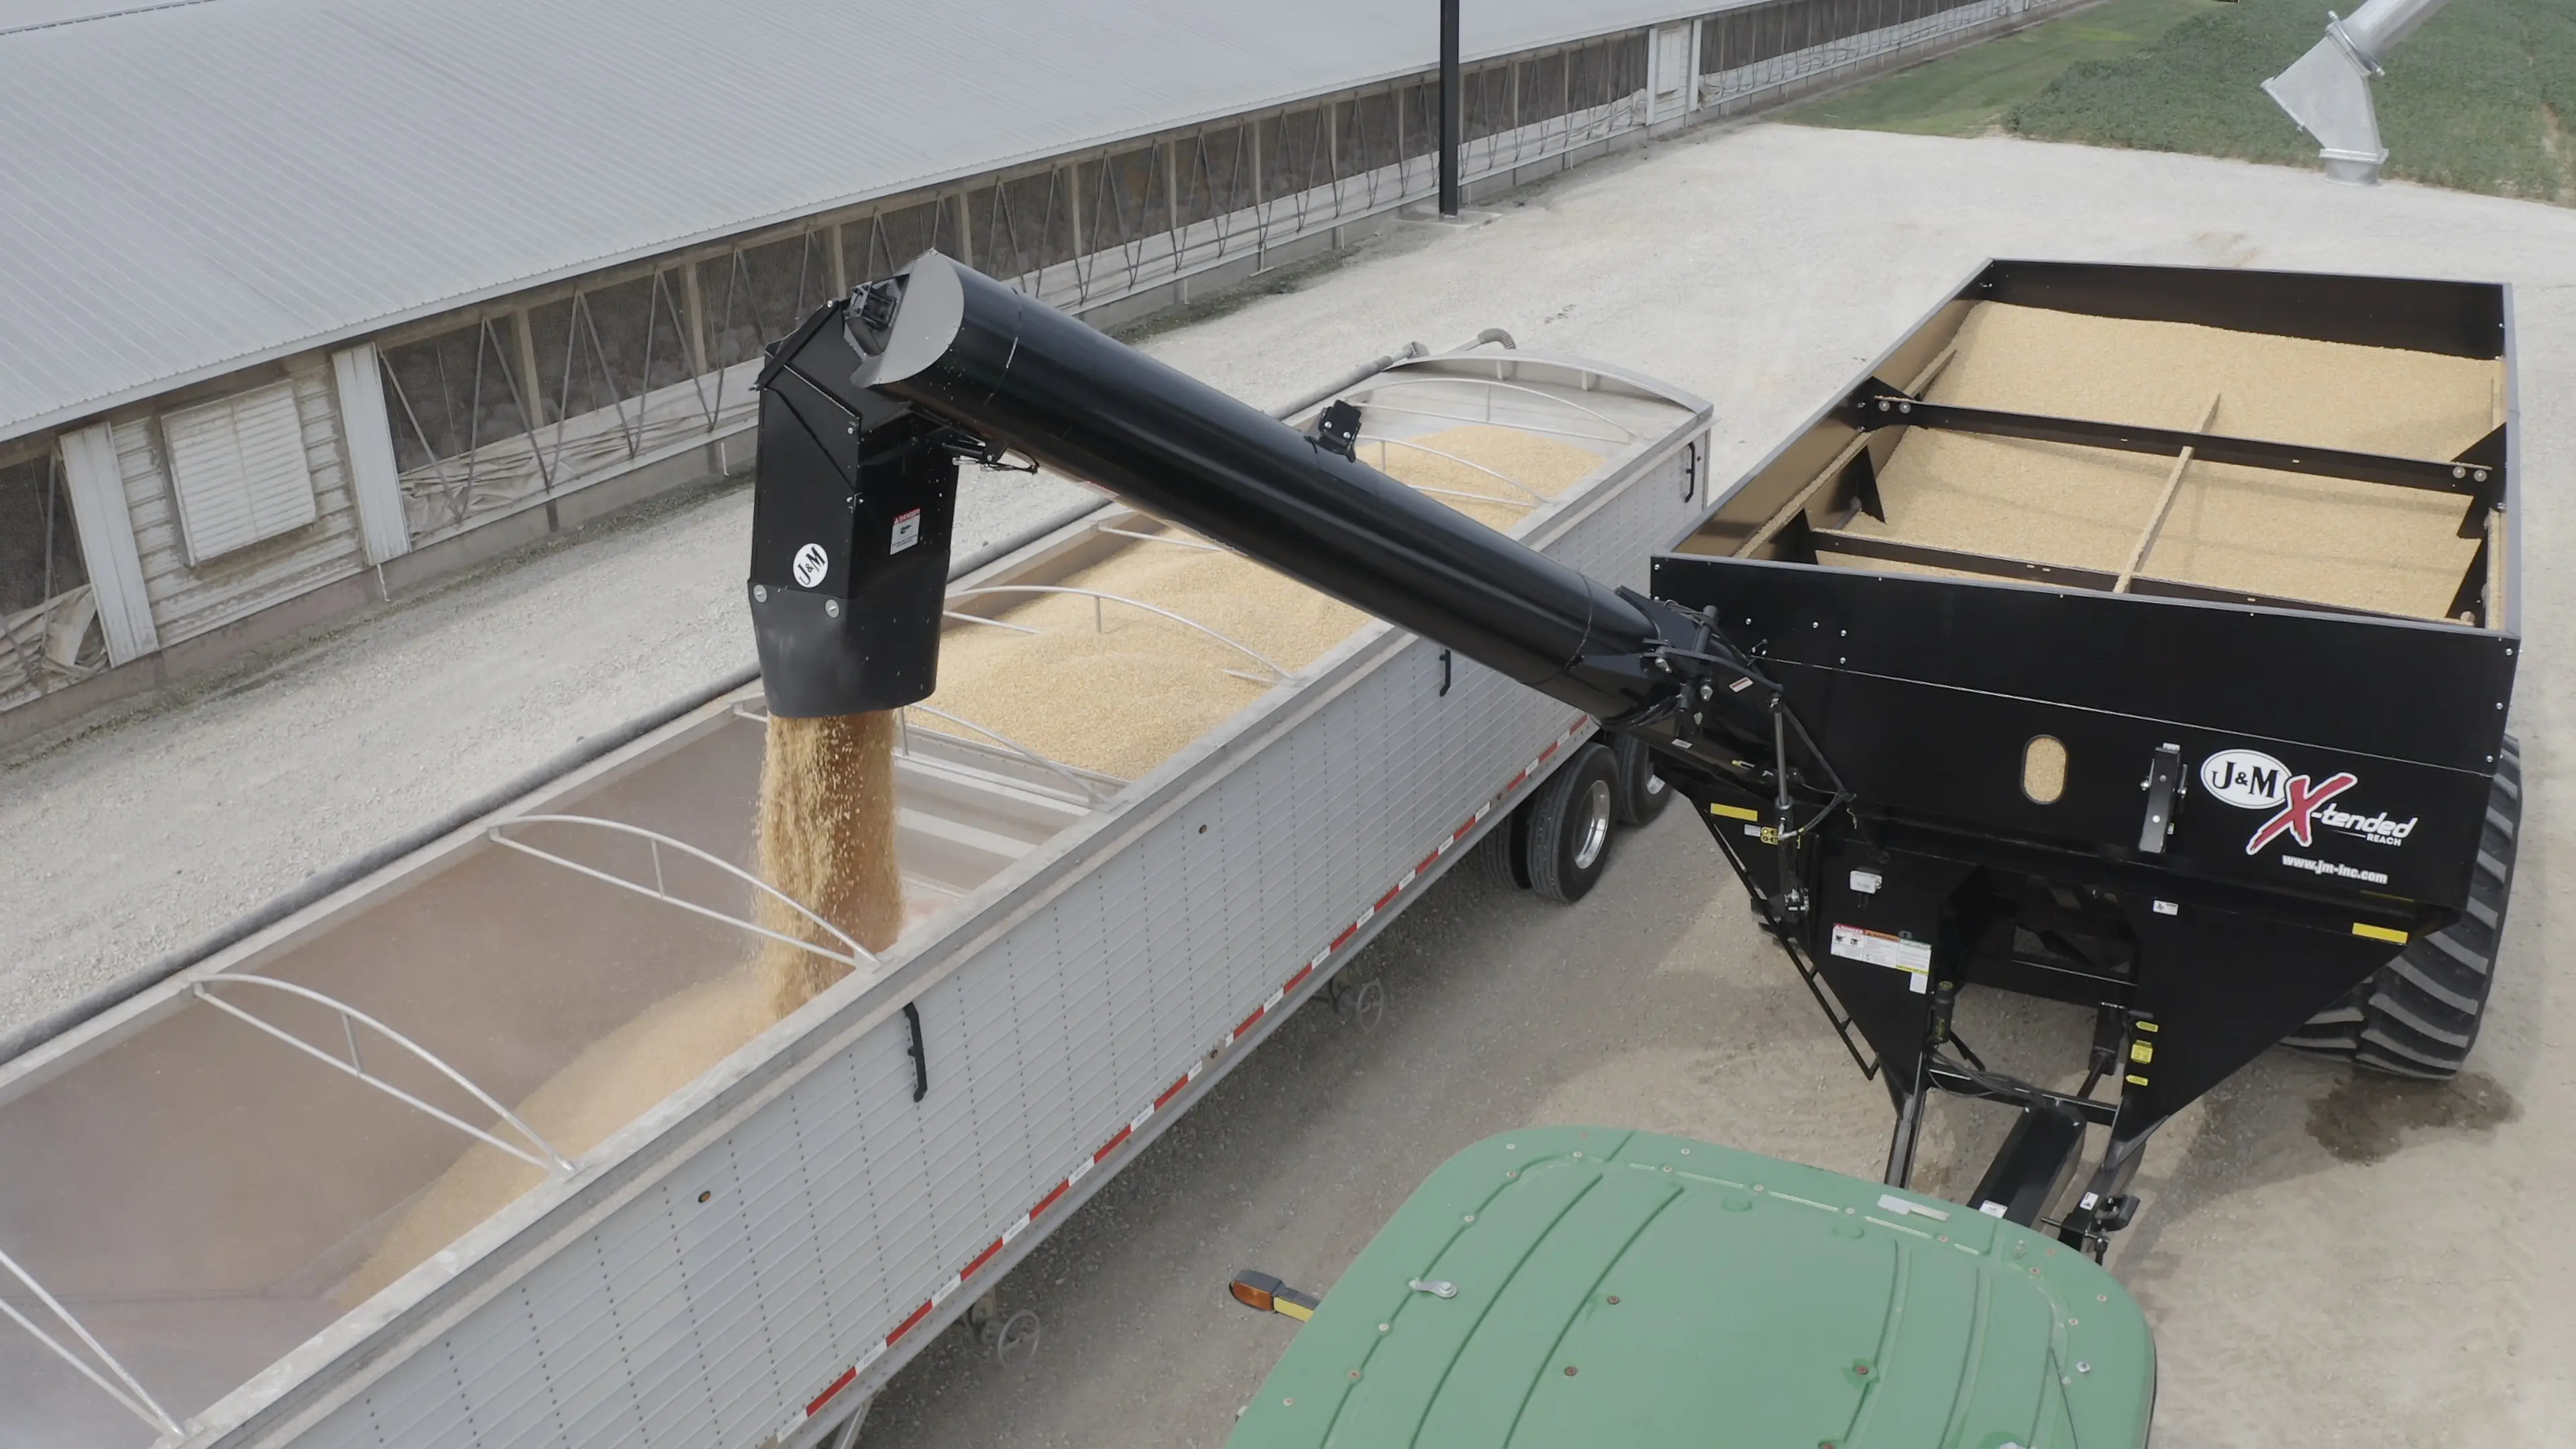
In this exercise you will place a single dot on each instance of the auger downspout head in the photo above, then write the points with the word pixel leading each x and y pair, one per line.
pixel 852 501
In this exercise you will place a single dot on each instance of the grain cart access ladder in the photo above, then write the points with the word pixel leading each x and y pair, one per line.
pixel 1865 747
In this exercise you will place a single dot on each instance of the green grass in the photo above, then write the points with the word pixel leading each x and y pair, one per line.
pixel 2482 98
pixel 1975 91
pixel 2474 100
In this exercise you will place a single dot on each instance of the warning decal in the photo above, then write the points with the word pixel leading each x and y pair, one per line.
pixel 1881 949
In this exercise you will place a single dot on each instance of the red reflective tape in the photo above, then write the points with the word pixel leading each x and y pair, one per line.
pixel 1245 1025
pixel 1391 894
pixel 1048 1201
pixel 1170 1092
pixel 1302 973
pixel 1461 832
pixel 1348 931
pixel 1111 1145
pixel 1428 861
pixel 1550 750
pixel 909 1324
pixel 848 1377
pixel 981 1259
pixel 1516 782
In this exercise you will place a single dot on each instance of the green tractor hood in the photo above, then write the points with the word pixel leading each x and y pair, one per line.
pixel 1606 1287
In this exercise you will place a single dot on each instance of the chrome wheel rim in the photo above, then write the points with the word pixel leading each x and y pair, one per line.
pixel 1595 827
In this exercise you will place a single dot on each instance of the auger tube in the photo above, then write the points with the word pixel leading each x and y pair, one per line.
pixel 940 356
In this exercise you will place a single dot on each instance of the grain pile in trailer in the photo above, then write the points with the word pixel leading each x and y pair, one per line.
pixel 825 836
pixel 1118 689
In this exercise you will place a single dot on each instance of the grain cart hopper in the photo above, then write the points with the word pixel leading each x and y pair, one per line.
pixel 2134 637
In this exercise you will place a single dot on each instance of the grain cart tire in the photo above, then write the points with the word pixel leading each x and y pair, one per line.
pixel 2420 1014
pixel 1642 793
pixel 1501 858
pixel 1569 825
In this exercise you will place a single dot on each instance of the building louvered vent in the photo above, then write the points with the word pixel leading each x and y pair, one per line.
pixel 238 469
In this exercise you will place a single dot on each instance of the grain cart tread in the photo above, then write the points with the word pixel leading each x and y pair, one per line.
pixel 2420 1015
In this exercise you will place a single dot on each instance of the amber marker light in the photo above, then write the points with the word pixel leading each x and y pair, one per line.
pixel 1269 1295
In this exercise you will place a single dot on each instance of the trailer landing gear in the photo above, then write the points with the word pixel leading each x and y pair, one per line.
pixel 1362 1005
pixel 1013 1337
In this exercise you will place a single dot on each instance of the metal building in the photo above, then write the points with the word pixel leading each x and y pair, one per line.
pixel 311 302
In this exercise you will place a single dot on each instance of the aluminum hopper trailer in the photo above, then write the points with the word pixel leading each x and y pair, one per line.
pixel 268 1249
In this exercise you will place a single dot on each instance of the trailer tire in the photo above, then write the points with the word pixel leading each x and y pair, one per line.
pixel 1642 793
pixel 1569 825
pixel 2419 1015
pixel 1500 859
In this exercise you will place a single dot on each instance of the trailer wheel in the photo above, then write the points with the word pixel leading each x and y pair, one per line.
pixel 1642 793
pixel 1569 825
pixel 1502 858
pixel 2420 1014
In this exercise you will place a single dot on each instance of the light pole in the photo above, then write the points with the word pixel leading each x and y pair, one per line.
pixel 1452 133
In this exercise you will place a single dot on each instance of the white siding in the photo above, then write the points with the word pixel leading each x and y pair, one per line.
pixel 108 545
pixel 188 600
pixel 373 479
pixel 237 471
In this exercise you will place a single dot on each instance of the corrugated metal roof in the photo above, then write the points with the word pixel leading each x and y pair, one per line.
pixel 191 189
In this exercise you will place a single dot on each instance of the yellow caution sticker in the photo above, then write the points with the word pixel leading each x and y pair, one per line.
pixel 2142 1052
pixel 1734 812
pixel 2136 1081
pixel 2378 933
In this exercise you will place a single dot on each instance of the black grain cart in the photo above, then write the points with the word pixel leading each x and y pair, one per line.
pixel 2134 637
pixel 2144 638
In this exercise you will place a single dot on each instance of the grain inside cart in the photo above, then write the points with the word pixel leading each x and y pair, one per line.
pixel 1160 796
